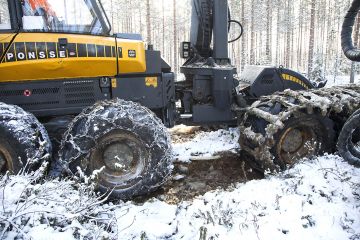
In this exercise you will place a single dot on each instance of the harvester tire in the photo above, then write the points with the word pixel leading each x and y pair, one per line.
pixel 124 143
pixel 303 136
pixel 346 146
pixel 24 142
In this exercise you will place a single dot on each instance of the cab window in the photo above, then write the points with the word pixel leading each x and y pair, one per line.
pixel 5 23
pixel 69 16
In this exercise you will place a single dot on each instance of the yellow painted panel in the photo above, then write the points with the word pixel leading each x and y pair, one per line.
pixel 57 69
pixel 34 56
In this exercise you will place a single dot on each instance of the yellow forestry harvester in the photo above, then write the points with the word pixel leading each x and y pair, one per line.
pixel 76 95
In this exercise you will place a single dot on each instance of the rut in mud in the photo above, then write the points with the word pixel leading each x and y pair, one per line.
pixel 223 170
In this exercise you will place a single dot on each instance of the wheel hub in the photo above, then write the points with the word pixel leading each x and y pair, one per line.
pixel 292 141
pixel 2 161
pixel 119 157
pixel 5 160
pixel 298 142
pixel 123 155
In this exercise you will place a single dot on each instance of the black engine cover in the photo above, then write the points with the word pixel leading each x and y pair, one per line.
pixel 266 80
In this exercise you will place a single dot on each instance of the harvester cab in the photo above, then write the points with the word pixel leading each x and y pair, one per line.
pixel 65 16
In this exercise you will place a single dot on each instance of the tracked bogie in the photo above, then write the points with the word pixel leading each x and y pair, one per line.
pixel 335 103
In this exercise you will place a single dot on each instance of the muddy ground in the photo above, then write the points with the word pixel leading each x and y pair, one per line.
pixel 201 175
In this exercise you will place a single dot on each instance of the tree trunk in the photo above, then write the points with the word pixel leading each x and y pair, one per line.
pixel 268 32
pixel 163 27
pixel 277 60
pixel 112 14
pixel 252 40
pixel 244 37
pixel 288 35
pixel 312 36
pixel 175 38
pixel 299 40
pixel 148 23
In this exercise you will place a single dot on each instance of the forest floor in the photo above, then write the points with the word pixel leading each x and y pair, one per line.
pixel 206 159
pixel 213 194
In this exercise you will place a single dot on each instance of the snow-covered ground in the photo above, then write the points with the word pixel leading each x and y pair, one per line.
pixel 207 144
pixel 318 199
pixel 340 80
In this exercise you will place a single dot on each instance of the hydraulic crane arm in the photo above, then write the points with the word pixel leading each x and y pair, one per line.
pixel 210 20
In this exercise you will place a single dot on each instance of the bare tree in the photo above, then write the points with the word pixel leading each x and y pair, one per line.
pixel 312 35
pixel 268 31
pixel 148 22
pixel 280 32
pixel 253 36
pixel 175 37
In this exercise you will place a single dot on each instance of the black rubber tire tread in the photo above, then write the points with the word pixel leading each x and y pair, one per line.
pixel 82 136
pixel 354 138
pixel 24 137
pixel 344 144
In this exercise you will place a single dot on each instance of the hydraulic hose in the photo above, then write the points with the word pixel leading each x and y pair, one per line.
pixel 241 30
pixel 350 51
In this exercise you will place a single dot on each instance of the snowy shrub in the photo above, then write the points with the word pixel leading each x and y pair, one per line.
pixel 34 208
pixel 317 72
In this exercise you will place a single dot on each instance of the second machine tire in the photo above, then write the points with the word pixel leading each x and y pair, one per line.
pixel 124 139
pixel 24 142
pixel 349 139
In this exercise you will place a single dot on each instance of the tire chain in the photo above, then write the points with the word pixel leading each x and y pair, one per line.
pixel 29 131
pixel 143 116
pixel 339 100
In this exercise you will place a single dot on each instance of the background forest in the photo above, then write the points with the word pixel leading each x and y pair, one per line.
pixel 303 35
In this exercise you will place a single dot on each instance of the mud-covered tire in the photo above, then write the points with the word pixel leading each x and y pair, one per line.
pixel 303 136
pixel 126 140
pixel 345 145
pixel 24 142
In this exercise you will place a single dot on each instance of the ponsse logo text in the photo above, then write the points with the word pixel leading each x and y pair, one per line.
pixel 21 51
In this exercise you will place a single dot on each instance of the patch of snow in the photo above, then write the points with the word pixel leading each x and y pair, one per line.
pixel 43 232
pixel 178 177
pixel 315 200
pixel 33 208
pixel 118 165
pixel 154 219
pixel 340 80
pixel 206 144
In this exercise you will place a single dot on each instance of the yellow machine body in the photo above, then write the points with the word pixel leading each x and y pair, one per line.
pixel 40 56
